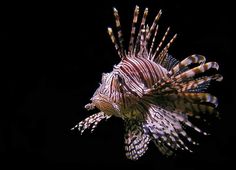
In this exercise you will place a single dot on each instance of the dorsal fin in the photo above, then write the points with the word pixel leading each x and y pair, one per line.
pixel 141 40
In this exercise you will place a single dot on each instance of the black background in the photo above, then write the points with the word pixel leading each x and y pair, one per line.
pixel 54 64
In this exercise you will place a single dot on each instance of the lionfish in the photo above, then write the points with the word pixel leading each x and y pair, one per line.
pixel 151 91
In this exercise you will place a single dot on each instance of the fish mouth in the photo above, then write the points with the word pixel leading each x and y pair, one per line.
pixel 106 106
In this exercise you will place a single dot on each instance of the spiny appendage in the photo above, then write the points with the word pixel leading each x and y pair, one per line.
pixel 167 131
pixel 133 30
pixel 182 77
pixel 91 122
pixel 178 75
pixel 196 98
pixel 118 45
pixel 196 70
pixel 164 53
pixel 199 84
pixel 164 128
pixel 142 42
pixel 195 58
pixel 136 139
pixel 186 97
pixel 190 95
pixel 165 150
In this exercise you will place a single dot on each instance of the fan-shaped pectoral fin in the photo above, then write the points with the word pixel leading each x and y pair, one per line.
pixel 136 140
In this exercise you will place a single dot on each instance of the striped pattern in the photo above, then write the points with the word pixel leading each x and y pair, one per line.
pixel 151 91
pixel 132 36
pixel 91 122
pixel 120 34
pixel 136 140
pixel 186 62
pixel 161 42
pixel 196 70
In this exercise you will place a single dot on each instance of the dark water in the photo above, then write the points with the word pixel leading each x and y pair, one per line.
pixel 54 64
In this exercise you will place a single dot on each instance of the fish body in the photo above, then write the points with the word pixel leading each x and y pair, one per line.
pixel 154 93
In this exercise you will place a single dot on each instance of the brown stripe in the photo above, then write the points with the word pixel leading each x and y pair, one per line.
pixel 138 70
